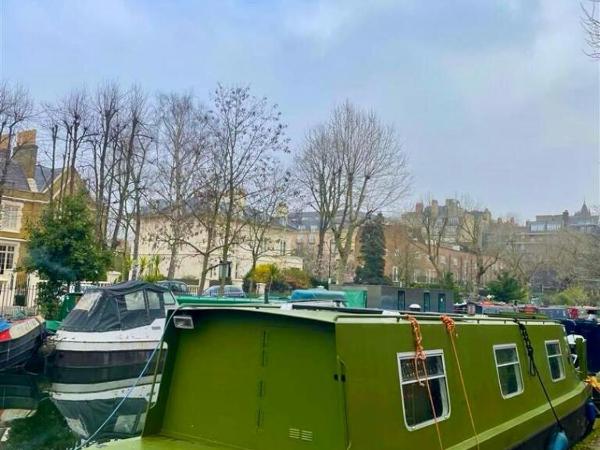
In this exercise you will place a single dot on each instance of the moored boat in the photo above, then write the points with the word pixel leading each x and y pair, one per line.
pixel 19 341
pixel 111 327
pixel 269 378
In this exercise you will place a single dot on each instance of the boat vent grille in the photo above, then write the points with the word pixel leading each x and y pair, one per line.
pixel 302 435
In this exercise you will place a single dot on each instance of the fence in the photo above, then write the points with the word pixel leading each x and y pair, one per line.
pixel 24 299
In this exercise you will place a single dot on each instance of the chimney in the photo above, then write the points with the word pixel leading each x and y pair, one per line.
pixel 25 152
pixel 565 218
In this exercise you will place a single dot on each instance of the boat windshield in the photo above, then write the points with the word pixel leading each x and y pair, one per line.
pixel 88 300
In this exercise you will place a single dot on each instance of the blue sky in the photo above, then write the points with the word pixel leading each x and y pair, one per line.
pixel 494 99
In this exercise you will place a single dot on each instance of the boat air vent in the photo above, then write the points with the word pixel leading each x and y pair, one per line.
pixel 301 435
pixel 184 321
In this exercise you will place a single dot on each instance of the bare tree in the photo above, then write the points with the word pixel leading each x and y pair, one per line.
pixel 370 174
pixel 266 206
pixel 247 134
pixel 16 107
pixel 318 170
pixel 430 228
pixel 477 235
pixel 591 25
pixel 176 164
pixel 106 106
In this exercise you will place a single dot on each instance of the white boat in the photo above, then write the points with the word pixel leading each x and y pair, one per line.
pixel 113 326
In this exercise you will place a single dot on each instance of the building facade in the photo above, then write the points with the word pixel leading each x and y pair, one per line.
pixel 27 188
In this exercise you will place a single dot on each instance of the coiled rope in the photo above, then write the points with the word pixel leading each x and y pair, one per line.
pixel 422 357
pixel 451 329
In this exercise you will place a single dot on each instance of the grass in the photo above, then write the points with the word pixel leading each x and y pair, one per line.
pixel 592 441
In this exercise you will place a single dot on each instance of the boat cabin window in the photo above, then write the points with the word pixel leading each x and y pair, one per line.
pixel 509 370
pixel 88 300
pixel 135 301
pixel 169 298
pixel 555 360
pixel 153 300
pixel 417 405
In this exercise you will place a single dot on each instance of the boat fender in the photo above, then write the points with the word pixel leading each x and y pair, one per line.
pixel 590 411
pixel 559 441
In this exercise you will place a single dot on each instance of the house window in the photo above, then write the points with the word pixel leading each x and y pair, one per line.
pixel 419 409
pixel 395 277
pixel 7 258
pixel 10 217
pixel 509 370
pixel 555 360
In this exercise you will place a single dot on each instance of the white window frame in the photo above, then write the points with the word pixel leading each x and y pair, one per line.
pixel 428 353
pixel 18 215
pixel 15 256
pixel 559 355
pixel 518 363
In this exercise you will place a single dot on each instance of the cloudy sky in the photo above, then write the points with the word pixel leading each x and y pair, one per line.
pixel 494 99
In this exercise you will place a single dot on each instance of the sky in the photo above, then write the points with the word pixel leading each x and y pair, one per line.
pixel 495 100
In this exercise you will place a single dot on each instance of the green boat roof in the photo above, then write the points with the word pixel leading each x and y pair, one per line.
pixel 339 315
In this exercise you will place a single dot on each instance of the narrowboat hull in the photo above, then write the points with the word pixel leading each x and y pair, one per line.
pixel 20 342
pixel 272 379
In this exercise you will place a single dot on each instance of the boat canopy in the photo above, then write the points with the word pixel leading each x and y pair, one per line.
pixel 118 307
pixel 318 294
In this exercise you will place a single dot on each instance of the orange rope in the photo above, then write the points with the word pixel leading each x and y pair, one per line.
pixel 451 328
pixel 421 356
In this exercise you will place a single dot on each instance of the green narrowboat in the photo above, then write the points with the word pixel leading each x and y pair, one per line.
pixel 300 377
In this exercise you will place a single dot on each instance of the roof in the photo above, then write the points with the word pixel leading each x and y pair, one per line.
pixel 130 286
pixel 44 176
pixel 16 179
pixel 360 315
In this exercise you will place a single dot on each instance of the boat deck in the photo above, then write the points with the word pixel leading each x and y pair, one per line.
pixel 162 443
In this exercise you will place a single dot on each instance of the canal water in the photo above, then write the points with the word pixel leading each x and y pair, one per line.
pixel 62 412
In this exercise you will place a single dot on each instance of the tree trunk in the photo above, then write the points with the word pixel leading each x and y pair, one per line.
pixel 172 261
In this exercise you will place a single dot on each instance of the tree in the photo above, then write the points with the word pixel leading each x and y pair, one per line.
pixel 16 107
pixel 296 278
pixel 176 165
pixel 267 206
pixel 368 172
pixel 429 227
pixel 247 135
pixel 63 249
pixel 402 254
pixel 268 274
pixel 477 235
pixel 573 295
pixel 372 252
pixel 507 288
pixel 318 169
pixel 591 25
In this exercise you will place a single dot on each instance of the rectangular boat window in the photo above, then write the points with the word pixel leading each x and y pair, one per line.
pixel 88 300
pixel 417 405
pixel 426 302
pixel 153 300
pixel 509 370
pixel 135 301
pixel 169 298
pixel 555 360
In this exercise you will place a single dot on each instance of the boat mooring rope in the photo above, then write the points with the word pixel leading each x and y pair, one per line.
pixel 422 357
pixel 451 328
pixel 132 387
pixel 533 370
